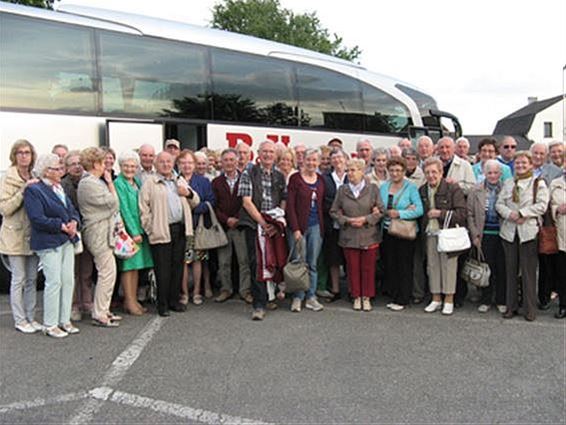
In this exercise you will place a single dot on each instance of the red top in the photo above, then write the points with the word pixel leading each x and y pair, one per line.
pixel 227 204
pixel 299 197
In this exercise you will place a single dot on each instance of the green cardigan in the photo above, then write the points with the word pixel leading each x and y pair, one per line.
pixel 129 209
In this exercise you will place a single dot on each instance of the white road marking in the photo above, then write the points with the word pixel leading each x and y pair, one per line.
pixel 117 371
pixel 39 402
pixel 185 412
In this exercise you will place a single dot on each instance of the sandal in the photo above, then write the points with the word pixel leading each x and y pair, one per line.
pixel 108 324
pixel 114 317
pixel 184 299
pixel 197 300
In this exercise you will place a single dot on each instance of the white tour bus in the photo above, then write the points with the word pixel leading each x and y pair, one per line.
pixel 82 76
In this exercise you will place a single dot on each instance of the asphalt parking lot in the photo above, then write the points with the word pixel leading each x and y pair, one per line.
pixel 212 364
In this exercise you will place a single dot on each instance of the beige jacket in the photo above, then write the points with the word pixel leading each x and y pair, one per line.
pixel 15 232
pixel 462 172
pixel 98 207
pixel 154 210
pixel 418 177
pixel 557 198
pixel 527 207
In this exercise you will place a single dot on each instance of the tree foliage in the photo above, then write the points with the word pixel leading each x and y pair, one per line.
pixel 44 4
pixel 267 19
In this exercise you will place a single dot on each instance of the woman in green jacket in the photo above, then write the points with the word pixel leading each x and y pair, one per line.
pixel 127 188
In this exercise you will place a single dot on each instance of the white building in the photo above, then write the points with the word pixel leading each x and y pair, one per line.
pixel 539 121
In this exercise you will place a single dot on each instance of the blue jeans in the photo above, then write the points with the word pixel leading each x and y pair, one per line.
pixel 311 244
pixel 58 268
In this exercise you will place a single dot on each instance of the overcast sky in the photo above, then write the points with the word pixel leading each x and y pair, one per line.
pixel 480 59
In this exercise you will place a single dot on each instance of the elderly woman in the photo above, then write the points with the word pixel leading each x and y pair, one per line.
pixel 558 209
pixel 128 187
pixel 439 198
pixel 165 202
pixel 186 162
pixel 333 254
pixel 358 209
pixel 286 163
pixel 305 194
pixel 15 234
pixel 202 165
pixel 413 173
pixel 378 174
pixel 402 202
pixel 54 221
pixel 483 224
pixel 521 204
pixel 109 160
pixel 98 204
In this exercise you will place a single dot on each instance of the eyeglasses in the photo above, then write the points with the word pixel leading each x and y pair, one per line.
pixel 509 147
pixel 58 169
pixel 23 153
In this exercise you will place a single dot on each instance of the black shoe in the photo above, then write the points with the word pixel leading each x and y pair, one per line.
pixel 509 314
pixel 458 304
pixel 335 297
pixel 164 313
pixel 417 300
pixel 544 306
pixel 178 308
pixel 561 313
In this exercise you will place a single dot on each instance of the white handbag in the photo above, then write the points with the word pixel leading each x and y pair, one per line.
pixel 452 239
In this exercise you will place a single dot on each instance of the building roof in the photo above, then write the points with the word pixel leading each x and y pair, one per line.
pixel 520 121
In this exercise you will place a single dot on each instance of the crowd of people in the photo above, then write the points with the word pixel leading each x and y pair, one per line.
pixel 376 217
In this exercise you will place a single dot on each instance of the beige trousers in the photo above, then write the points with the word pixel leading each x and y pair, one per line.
pixel 106 268
pixel 441 269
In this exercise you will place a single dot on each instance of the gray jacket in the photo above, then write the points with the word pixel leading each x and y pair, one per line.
pixel 346 206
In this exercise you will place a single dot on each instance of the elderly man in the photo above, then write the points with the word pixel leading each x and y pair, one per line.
pixel 425 149
pixel 405 144
pixel 364 151
pixel 173 146
pixel 227 208
pixel 335 143
pixel 60 150
pixel 556 150
pixel 507 150
pixel 300 150
pixel 262 188
pixel 463 148
pixel 548 266
pixel 147 157
pixel 244 153
pixel 488 150
pixel 166 203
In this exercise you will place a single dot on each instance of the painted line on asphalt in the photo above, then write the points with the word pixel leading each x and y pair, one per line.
pixel 116 373
pixel 174 409
pixel 40 402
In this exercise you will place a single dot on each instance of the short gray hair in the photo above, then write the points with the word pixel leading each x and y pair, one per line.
pixel 463 139
pixel 313 151
pixel 380 151
pixel 491 162
pixel 128 156
pixel 363 141
pixel 44 161
pixel 544 145
pixel 423 139
pixel 409 152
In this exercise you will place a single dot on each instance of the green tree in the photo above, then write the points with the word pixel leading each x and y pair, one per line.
pixel 267 19
pixel 45 4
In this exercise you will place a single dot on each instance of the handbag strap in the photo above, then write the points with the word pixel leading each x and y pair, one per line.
pixel 213 219
pixel 447 219
pixel 298 247
pixel 480 256
pixel 394 205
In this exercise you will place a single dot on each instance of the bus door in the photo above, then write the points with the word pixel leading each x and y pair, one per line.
pixel 124 135
pixel 192 136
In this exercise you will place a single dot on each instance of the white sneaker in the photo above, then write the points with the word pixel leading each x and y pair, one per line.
pixel 483 308
pixel 502 309
pixel 296 305
pixel 76 315
pixel 433 306
pixel 314 305
pixel 55 332
pixel 37 326
pixel 70 328
pixel 448 309
pixel 357 304
pixel 366 304
pixel 25 327
pixel 395 307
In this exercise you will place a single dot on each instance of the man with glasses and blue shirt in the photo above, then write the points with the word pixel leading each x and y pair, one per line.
pixel 507 150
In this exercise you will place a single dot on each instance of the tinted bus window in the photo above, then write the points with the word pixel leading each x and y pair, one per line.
pixel 329 100
pixel 46 66
pixel 383 113
pixel 251 89
pixel 146 76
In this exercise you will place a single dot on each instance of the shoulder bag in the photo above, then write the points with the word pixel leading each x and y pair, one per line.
pixel 124 245
pixel 296 272
pixel 476 271
pixel 451 240
pixel 402 229
pixel 211 237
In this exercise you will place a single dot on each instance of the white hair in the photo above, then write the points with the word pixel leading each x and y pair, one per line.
pixel 313 151
pixel 264 143
pixel 43 162
pixel 489 163
pixel 201 155
pixel 363 141
pixel 544 145
pixel 128 156
pixel 423 139
pixel 463 140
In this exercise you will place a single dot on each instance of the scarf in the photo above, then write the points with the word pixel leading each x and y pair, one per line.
pixel 516 186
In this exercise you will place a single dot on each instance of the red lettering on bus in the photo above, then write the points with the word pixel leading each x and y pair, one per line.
pixel 235 138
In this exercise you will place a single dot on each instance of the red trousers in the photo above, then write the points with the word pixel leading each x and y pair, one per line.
pixel 360 265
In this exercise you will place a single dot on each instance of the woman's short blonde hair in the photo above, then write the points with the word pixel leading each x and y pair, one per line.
pixel 433 161
pixel 90 156
pixel 526 154
pixel 360 164
pixel 20 143
pixel 290 152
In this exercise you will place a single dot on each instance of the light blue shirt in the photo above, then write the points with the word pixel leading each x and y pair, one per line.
pixel 174 206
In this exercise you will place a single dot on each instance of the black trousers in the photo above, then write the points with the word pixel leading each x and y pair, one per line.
pixel 547 276
pixel 521 257
pixel 461 284
pixel 168 261
pixel 493 250
pixel 258 289
pixel 561 282
pixel 397 257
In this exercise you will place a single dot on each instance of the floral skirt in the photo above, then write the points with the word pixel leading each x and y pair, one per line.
pixel 192 254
